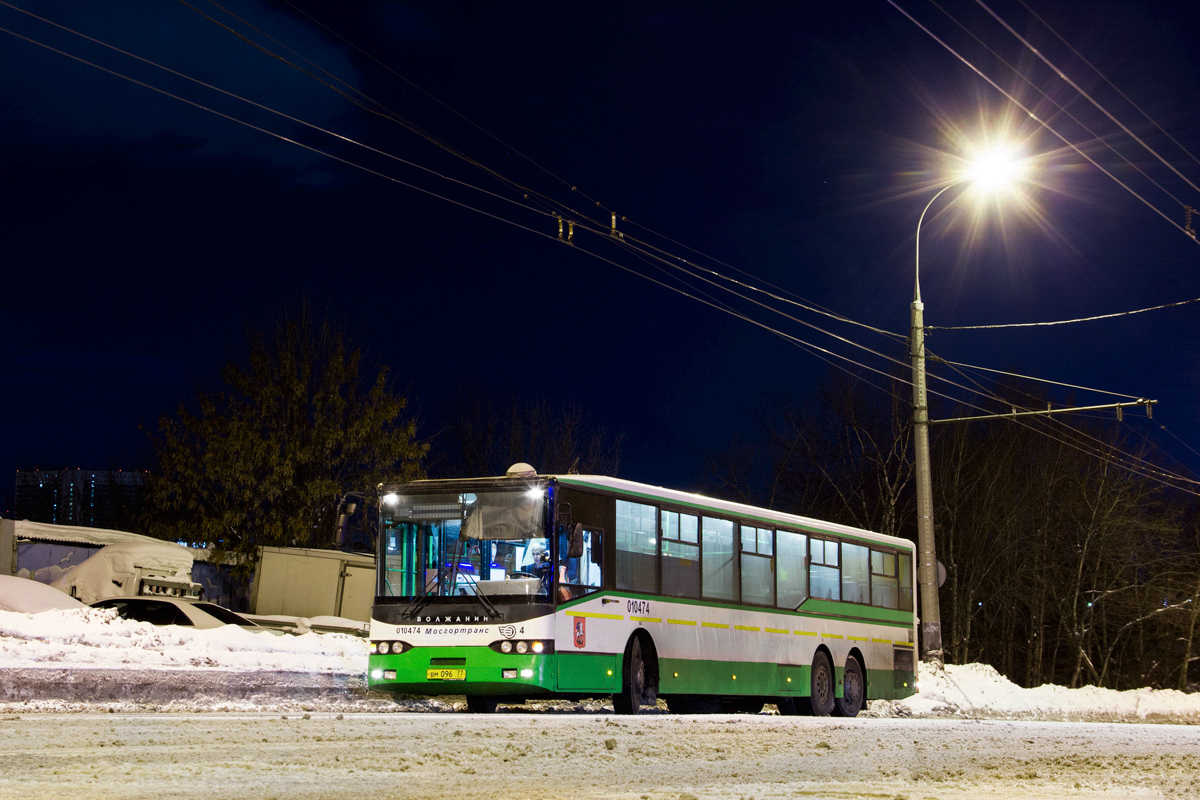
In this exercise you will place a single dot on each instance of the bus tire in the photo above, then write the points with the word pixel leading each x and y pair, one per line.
pixel 481 704
pixel 635 679
pixel 854 690
pixel 821 697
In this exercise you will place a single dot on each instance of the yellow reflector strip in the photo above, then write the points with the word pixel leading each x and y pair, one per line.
pixel 595 616
pixel 681 621
pixel 833 635
pixel 882 641
pixel 645 619
pixel 806 633
pixel 903 644
pixel 858 638
pixel 714 625
pixel 774 630
pixel 744 628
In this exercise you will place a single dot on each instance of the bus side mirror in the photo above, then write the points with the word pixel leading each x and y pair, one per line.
pixel 339 536
pixel 575 541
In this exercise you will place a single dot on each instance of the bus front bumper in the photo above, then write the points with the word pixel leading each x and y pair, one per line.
pixel 462 670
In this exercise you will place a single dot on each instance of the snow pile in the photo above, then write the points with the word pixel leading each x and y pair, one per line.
pixel 30 597
pixel 978 690
pixel 98 639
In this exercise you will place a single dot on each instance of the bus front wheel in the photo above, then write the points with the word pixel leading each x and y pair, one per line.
pixel 636 680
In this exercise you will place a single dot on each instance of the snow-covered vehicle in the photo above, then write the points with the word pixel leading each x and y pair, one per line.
pixel 132 569
pixel 178 611
pixel 26 596
pixel 95 563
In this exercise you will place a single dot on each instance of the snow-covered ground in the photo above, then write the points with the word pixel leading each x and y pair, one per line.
pixel 80 658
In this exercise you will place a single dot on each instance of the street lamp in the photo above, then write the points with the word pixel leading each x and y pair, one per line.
pixel 990 172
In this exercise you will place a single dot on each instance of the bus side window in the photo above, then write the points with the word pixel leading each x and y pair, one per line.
pixel 906 586
pixel 791 569
pixel 637 546
pixel 824 573
pixel 884 581
pixel 856 573
pixel 680 534
pixel 584 574
pixel 719 560
pixel 589 566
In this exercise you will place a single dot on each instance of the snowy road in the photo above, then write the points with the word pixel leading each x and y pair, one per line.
pixel 583 756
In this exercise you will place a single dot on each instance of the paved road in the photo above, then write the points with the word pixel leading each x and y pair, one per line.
pixel 552 755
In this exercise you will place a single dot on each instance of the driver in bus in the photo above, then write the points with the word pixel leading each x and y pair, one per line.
pixel 537 549
pixel 540 566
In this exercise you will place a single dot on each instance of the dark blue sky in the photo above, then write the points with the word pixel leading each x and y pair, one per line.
pixel 141 234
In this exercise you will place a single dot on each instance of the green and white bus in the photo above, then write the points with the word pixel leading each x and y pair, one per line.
pixel 571 586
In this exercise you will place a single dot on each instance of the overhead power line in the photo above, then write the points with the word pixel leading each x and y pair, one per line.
pixel 1114 87
pixel 1041 56
pixel 1029 378
pixel 1061 321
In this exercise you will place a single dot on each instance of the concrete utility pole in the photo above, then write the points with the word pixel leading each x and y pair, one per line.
pixel 929 609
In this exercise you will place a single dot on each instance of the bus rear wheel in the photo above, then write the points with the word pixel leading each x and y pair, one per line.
pixel 854 691
pixel 821 699
pixel 481 705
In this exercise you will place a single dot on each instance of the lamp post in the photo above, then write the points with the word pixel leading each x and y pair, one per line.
pixel 992 171
pixel 930 610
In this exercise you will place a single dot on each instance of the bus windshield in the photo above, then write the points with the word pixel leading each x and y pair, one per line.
pixel 461 544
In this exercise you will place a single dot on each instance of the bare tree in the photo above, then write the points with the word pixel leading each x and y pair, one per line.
pixel 486 438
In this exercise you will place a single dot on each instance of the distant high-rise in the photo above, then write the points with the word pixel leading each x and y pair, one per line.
pixel 87 497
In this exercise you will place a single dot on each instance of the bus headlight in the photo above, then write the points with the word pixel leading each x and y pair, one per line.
pixel 385 648
pixel 522 647
pixel 538 647
pixel 506 647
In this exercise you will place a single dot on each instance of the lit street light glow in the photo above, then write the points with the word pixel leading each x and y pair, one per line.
pixel 996 170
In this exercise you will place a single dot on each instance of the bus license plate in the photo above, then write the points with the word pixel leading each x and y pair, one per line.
pixel 446 675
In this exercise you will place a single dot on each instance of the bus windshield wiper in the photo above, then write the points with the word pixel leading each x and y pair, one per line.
pixel 423 598
pixel 421 602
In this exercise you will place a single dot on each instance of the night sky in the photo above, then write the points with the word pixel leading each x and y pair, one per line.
pixel 796 145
